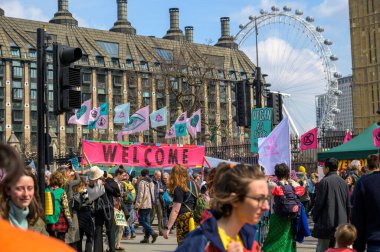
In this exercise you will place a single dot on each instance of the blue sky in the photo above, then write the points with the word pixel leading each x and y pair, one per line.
pixel 151 18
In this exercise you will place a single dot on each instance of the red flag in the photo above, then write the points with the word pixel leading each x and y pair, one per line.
pixel 309 140
pixel 348 137
pixel 376 137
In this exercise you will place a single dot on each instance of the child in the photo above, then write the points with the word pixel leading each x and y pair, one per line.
pixel 345 236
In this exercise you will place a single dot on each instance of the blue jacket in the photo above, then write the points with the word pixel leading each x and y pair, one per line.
pixel 206 237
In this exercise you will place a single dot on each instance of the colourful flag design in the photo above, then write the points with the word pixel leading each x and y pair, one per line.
pixel 180 129
pixel 99 117
pixel 158 118
pixel 348 136
pixel 122 113
pixel 170 133
pixel 376 137
pixel 193 124
pixel 182 118
pixel 81 115
pixel 309 140
pixel 139 121
pixel 275 148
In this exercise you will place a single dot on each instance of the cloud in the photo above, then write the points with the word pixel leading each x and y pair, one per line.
pixel 330 8
pixel 299 73
pixel 14 8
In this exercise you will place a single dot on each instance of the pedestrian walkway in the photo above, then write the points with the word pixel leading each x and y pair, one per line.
pixel 163 245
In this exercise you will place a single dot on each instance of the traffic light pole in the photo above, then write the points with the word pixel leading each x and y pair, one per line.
pixel 41 142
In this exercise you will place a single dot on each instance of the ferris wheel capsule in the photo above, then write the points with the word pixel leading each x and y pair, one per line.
pixel 337 92
pixel 251 18
pixel 287 9
pixel 263 12
pixel 320 29
pixel 275 8
pixel 337 75
pixel 328 42
pixel 335 111
pixel 310 19
pixel 334 58
pixel 241 26
pixel 299 12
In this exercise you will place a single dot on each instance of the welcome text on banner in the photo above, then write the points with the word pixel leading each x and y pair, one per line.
pixel 142 155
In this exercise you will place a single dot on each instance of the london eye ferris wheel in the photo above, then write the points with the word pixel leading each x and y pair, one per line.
pixel 298 61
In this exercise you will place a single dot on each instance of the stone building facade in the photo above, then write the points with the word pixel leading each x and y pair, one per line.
pixel 119 66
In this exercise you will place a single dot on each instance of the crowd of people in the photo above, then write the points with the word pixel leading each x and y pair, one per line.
pixel 232 208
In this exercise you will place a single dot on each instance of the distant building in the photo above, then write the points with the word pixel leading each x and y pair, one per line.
pixel 320 107
pixel 365 44
pixel 119 66
pixel 344 119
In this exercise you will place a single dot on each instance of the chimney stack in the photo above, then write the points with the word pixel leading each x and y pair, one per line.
pixel 189 33
pixel 226 40
pixel 174 33
pixel 122 24
pixel 63 15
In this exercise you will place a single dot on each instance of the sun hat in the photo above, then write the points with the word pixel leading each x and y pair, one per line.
pixel 95 173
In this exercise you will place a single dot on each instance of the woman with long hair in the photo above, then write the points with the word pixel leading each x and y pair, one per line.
pixel 61 220
pixel 20 204
pixel 240 197
pixel 182 189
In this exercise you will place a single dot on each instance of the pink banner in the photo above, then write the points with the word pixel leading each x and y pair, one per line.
pixel 142 155
pixel 376 137
pixel 309 140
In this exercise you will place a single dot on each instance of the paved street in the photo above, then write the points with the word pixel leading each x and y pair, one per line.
pixel 162 245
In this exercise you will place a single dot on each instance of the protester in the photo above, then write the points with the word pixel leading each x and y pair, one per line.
pixel 167 205
pixel 157 207
pixel 240 198
pixel 101 190
pixel 120 175
pixel 143 205
pixel 345 236
pixel 85 219
pixel 128 200
pixel 281 234
pixel 350 180
pixel 12 238
pixel 332 206
pixel 58 224
pixel 184 201
pixel 312 181
pixel 366 208
pixel 20 204
pixel 72 179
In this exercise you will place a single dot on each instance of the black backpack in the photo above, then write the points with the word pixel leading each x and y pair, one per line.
pixel 288 204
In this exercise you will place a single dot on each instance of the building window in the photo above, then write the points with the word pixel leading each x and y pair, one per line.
pixel 129 63
pixel 100 60
pixel 32 53
pixel 144 66
pixel 112 49
pixel 33 94
pixel 15 52
pixel 115 62
pixel 18 93
pixel 18 115
pixel 49 56
pixel 17 69
pixel 117 80
pixel 84 59
pixel 33 73
pixel 102 98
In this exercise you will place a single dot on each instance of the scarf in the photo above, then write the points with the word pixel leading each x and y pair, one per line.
pixel 18 216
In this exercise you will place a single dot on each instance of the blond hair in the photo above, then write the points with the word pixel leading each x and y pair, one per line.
pixel 345 235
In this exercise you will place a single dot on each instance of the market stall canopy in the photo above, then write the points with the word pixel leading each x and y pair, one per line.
pixel 359 147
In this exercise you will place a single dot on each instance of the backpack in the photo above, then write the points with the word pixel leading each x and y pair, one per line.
pixel 288 204
pixel 54 200
pixel 76 201
pixel 201 204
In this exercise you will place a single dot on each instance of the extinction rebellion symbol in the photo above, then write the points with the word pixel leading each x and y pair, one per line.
pixel 308 139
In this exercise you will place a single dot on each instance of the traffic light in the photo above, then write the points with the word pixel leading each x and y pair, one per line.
pixel 67 79
pixel 243 103
pixel 275 101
